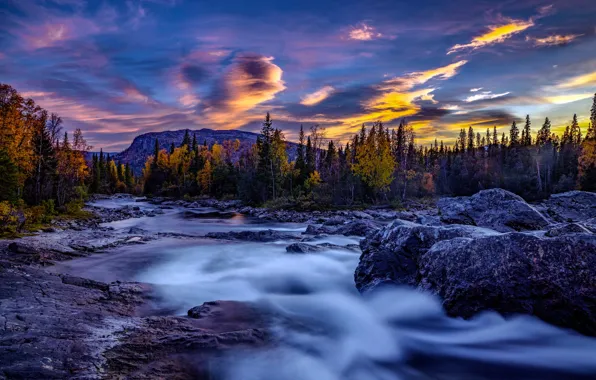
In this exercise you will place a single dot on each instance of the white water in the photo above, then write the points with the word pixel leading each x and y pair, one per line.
pixel 325 329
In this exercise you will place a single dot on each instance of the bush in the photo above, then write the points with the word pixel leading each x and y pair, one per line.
pixel 9 221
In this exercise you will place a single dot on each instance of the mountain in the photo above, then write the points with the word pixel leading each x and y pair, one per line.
pixel 142 146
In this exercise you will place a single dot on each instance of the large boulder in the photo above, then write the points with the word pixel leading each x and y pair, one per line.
pixel 572 206
pixel 551 278
pixel 551 275
pixel 391 255
pixel 498 209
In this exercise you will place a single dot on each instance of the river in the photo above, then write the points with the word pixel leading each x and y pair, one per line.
pixel 334 333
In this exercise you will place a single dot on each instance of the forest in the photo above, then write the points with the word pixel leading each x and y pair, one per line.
pixel 43 171
pixel 45 175
pixel 379 165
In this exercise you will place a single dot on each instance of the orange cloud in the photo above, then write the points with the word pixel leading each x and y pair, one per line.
pixel 496 34
pixel 413 79
pixel 251 80
pixel 579 81
pixel 364 33
pixel 317 96
pixel 564 99
pixel 553 40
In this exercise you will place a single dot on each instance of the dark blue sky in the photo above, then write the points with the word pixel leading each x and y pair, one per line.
pixel 120 68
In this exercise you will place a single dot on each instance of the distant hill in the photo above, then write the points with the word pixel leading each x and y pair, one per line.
pixel 142 146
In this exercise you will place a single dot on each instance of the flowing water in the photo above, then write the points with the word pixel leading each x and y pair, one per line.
pixel 334 333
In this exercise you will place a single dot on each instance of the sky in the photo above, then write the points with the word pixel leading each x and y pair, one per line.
pixel 117 69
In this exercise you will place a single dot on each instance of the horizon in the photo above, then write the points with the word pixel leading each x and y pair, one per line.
pixel 118 70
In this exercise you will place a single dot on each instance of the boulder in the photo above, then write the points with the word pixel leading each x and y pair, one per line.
pixel 572 206
pixel 391 255
pixel 551 278
pixel 550 275
pixel 497 209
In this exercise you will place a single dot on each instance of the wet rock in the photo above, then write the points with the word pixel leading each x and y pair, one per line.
pixel 572 206
pixel 551 278
pixel 354 228
pixel 567 229
pixel 310 248
pixel 498 209
pixel 84 282
pixel 259 236
pixel 303 248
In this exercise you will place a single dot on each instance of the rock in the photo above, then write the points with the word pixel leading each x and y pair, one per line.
pixel 207 214
pixel 498 209
pixel 84 282
pixel 137 231
pixel 260 236
pixel 309 248
pixel 567 229
pixel 551 278
pixel 334 221
pixel 392 254
pixel 134 239
pixel 572 206
pixel 360 227
pixel 303 248
pixel 361 215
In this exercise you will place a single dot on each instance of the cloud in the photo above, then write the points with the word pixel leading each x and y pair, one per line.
pixel 496 34
pixel 250 80
pixel 410 80
pixel 579 81
pixel 476 89
pixel 553 40
pixel 484 95
pixel 364 32
pixel 317 96
pixel 564 99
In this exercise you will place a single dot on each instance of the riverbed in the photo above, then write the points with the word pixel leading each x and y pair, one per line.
pixel 325 329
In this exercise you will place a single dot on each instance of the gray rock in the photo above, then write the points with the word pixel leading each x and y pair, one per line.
pixel 567 229
pixel 361 227
pixel 498 209
pixel 572 206
pixel 303 248
pixel 392 254
pixel 551 278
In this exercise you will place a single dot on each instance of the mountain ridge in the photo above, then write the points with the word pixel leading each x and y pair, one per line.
pixel 143 145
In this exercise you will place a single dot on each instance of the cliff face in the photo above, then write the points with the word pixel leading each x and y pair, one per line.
pixel 142 146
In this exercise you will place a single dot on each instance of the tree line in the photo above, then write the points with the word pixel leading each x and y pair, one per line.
pixel 378 165
pixel 43 171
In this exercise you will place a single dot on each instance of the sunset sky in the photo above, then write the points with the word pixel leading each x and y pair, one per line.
pixel 117 69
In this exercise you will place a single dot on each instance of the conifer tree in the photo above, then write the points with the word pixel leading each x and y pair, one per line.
pixel 526 133
pixel 514 134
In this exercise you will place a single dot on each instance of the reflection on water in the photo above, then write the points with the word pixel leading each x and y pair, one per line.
pixel 324 328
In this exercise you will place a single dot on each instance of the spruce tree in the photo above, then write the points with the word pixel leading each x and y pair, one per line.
pixel 527 134
pixel 300 159
pixel 186 140
pixel 156 154
pixel 514 134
